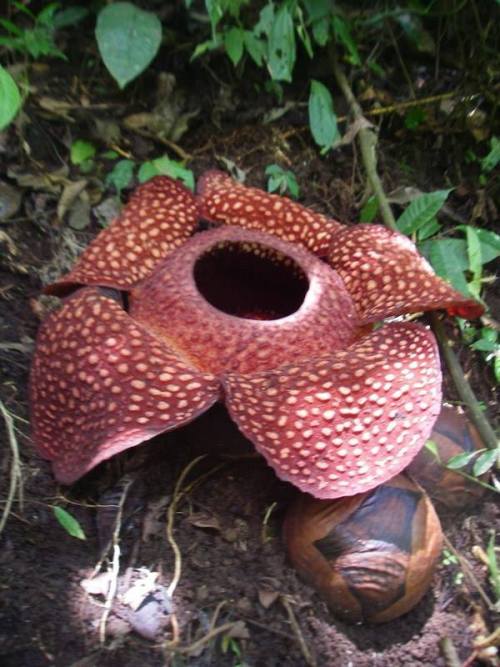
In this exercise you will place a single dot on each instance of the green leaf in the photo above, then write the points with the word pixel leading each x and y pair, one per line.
pixel 414 118
pixel 322 118
pixel 203 47
pixel 421 210
pixel 281 55
pixel 490 161
pixel 255 47
pixel 121 174
pixel 343 34
pixel 69 523
pixel 432 447
pixel 282 180
pixel 428 229
pixel 69 16
pixel 265 22
pixel 460 460
pixel 475 261
pixel 234 40
pixel 128 39
pixel 167 167
pixel 490 244
pixel 81 151
pixel 485 462
pixel 10 98
pixel 449 260
pixel 369 210
pixel 321 31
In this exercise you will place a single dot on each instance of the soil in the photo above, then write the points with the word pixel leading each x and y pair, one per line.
pixel 234 572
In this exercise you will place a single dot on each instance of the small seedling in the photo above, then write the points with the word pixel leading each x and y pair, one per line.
pixel 450 560
pixel 281 180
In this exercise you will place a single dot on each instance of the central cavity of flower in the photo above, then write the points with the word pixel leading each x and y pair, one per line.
pixel 232 299
pixel 250 280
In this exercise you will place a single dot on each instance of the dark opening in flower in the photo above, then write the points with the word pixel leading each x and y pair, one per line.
pixel 251 314
pixel 250 280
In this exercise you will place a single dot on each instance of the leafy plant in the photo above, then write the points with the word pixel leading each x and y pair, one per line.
pixel 494 567
pixel 121 175
pixel 281 180
pixel 128 39
pixel 39 39
pixel 69 523
pixel 81 155
pixel 166 166
pixel 450 560
pixel 10 98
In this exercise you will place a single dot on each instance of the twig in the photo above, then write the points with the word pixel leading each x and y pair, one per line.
pixel 170 524
pixel 368 142
pixel 16 480
pixel 462 385
pixel 467 570
pixel 449 652
pixel 308 656
pixel 115 567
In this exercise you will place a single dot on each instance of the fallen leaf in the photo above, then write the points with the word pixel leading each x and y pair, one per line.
pixel 98 585
pixel 10 201
pixel 139 590
pixel 267 598
pixel 70 192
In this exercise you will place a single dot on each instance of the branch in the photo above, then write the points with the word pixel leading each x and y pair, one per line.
pixel 368 143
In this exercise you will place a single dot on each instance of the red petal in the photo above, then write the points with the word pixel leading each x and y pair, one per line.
pixel 386 276
pixel 159 217
pixel 101 384
pixel 224 200
pixel 343 423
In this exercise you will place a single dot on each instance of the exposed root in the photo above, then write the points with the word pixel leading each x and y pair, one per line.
pixel 308 656
pixel 16 479
pixel 115 563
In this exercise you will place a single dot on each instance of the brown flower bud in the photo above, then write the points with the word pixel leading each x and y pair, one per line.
pixel 453 434
pixel 371 556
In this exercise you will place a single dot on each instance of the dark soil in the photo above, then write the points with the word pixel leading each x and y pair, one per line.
pixel 227 525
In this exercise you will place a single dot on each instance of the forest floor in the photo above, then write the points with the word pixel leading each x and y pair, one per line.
pixel 237 592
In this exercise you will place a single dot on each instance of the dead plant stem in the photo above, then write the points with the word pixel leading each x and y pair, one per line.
pixel 15 480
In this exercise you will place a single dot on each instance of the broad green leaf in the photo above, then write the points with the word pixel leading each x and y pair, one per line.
pixel 167 167
pixel 460 460
pixel 69 523
pixel 475 261
pixel 321 30
pixel 490 244
pixel 10 98
pixel 121 174
pixel 428 229
pixel 369 210
pixel 343 34
pixel 449 260
pixel 281 54
pixel 215 13
pixel 282 180
pixel 421 210
pixel 234 40
pixel 485 462
pixel 265 22
pixel 128 39
pixel 322 118
pixel 81 151
pixel 302 31
pixel 490 161
pixel 255 47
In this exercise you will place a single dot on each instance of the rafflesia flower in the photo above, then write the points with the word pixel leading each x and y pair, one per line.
pixel 271 310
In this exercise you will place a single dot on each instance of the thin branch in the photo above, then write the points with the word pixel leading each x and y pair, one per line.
pixel 462 385
pixel 368 140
